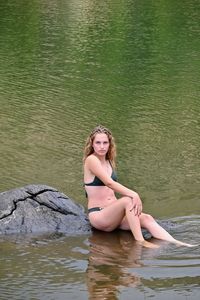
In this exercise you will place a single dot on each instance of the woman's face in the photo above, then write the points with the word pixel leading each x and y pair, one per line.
pixel 101 144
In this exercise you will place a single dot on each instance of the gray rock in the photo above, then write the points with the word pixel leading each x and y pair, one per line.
pixel 41 209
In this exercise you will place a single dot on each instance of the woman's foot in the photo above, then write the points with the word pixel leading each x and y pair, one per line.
pixel 147 244
pixel 179 243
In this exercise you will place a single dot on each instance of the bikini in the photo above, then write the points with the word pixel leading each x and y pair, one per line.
pixel 98 182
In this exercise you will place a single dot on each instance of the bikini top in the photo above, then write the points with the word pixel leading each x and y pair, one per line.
pixel 98 182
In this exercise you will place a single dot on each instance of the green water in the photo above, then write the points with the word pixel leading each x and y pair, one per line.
pixel 66 66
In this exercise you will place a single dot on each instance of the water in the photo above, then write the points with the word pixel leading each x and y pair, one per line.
pixel 100 266
pixel 133 66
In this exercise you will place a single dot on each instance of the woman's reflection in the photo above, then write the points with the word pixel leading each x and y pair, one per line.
pixel 111 254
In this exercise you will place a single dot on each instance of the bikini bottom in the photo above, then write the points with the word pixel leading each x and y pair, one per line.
pixel 94 209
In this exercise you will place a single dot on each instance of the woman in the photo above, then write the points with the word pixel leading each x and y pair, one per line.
pixel 105 211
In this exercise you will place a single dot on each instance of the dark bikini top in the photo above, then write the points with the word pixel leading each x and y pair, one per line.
pixel 98 182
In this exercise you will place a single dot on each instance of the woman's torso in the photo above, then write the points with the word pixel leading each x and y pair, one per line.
pixel 97 193
pixel 100 196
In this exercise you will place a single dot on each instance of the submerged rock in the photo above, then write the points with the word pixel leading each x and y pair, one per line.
pixel 40 209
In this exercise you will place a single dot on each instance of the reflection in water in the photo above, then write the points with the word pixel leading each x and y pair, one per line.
pixel 110 256
pixel 103 265
pixel 117 262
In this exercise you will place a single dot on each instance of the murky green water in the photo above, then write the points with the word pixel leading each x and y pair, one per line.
pixel 133 66
pixel 101 266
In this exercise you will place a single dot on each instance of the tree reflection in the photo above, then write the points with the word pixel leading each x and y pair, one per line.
pixel 111 256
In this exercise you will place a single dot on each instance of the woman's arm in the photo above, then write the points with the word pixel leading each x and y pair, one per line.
pixel 94 165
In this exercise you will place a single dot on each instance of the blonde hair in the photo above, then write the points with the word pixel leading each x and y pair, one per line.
pixel 88 150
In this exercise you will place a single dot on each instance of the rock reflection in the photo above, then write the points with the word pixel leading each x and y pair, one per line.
pixel 111 255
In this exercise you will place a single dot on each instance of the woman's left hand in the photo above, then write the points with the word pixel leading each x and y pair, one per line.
pixel 137 204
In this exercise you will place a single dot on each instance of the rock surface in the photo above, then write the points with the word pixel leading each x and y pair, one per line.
pixel 40 209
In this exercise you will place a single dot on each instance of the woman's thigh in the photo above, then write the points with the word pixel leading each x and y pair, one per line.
pixel 110 217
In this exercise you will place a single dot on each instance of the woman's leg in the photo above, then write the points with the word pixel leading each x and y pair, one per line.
pixel 111 217
pixel 149 223
pixel 135 226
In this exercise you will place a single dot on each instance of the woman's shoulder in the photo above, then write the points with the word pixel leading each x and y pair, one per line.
pixel 92 164
pixel 91 158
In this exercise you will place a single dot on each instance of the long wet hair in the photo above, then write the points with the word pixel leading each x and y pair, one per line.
pixel 88 150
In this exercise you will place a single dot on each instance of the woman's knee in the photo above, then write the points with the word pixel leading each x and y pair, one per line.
pixel 128 202
pixel 146 218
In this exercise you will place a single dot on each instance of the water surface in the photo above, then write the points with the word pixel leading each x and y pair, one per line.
pixel 100 266
pixel 66 66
